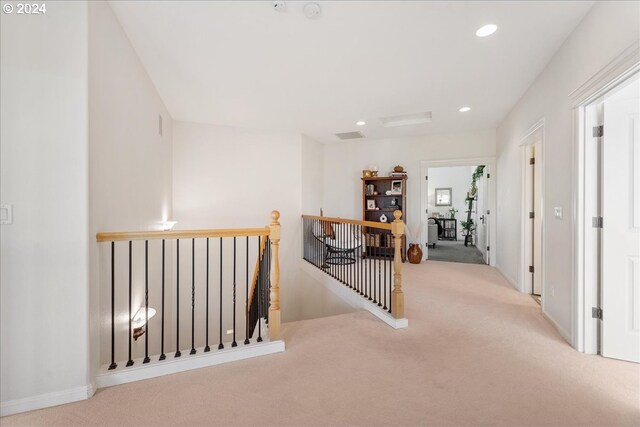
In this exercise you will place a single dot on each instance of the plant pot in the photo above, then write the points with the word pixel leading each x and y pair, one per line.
pixel 414 253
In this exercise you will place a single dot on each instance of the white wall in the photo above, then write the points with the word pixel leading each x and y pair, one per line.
pixel 609 28
pixel 312 175
pixel 458 178
pixel 45 264
pixel 232 177
pixel 344 162
pixel 130 181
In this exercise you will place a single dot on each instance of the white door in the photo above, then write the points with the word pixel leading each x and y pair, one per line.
pixel 621 224
pixel 537 219
pixel 481 217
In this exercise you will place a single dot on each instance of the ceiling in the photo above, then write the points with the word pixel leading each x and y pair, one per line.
pixel 245 64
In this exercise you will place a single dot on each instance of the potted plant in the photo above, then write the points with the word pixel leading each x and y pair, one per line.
pixel 453 212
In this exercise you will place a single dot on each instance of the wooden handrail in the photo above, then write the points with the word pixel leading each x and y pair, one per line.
pixel 254 282
pixel 180 234
pixel 372 224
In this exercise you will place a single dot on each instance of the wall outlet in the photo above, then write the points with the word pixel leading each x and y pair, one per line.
pixel 557 212
pixel 6 214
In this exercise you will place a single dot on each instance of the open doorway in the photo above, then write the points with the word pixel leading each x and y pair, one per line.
pixel 456 199
pixel 533 213
pixel 610 216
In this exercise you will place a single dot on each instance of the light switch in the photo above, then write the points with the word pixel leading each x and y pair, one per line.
pixel 6 214
pixel 557 212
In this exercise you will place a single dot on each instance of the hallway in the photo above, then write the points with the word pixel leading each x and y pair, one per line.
pixel 476 352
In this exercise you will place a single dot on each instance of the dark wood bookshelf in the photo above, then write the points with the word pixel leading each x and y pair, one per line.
pixel 383 246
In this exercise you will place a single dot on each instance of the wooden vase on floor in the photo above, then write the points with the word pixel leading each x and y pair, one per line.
pixel 414 253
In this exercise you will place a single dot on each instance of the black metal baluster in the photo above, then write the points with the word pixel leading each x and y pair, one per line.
pixel 113 364
pixel 162 355
pixel 193 296
pixel 220 346
pixel 376 261
pixel 384 307
pixel 178 354
pixel 360 261
pixel 130 361
pixel 206 326
pixel 246 304
pixel 146 302
pixel 234 343
pixel 370 259
pixel 259 291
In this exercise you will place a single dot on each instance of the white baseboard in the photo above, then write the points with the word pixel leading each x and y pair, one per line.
pixel 510 279
pixel 172 365
pixel 564 334
pixel 350 297
pixel 46 400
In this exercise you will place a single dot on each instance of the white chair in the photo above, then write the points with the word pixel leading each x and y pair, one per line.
pixel 432 232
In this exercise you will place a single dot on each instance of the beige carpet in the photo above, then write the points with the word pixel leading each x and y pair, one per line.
pixel 476 353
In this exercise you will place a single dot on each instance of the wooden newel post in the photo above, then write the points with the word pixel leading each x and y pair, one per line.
pixel 274 295
pixel 397 296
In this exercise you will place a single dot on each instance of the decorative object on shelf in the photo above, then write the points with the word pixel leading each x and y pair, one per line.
pixel 374 171
pixel 396 186
pixel 452 213
pixel 383 218
pixel 414 253
pixel 370 190
pixel 366 173
pixel 388 192
pixel 443 196
pixel 398 169
pixel 371 205
pixel 394 202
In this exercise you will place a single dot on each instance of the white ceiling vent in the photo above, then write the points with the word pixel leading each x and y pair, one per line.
pixel 406 119
pixel 349 135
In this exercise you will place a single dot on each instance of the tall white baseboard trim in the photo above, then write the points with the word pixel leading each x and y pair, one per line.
pixel 172 365
pixel 564 334
pixel 46 400
pixel 351 298
pixel 512 282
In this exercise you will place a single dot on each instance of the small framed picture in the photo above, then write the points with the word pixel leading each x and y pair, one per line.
pixel 371 205
pixel 443 196
pixel 396 187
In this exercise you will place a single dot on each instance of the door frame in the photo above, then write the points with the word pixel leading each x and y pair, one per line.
pixel 623 66
pixel 534 136
pixel 490 168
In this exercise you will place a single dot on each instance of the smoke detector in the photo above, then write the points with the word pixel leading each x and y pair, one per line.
pixel 311 10
pixel 279 6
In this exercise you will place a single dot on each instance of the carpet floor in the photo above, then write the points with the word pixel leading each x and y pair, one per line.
pixel 476 353
pixel 455 251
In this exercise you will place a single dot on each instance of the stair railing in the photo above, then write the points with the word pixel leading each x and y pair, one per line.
pixel 365 256
pixel 264 291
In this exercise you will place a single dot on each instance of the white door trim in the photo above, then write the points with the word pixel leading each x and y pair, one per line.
pixel 619 69
pixel 490 163
pixel 535 136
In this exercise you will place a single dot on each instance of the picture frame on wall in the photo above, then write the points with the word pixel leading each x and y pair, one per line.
pixel 396 186
pixel 371 204
pixel 443 196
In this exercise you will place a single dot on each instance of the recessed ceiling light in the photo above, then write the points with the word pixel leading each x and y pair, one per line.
pixel 361 123
pixel 464 109
pixel 486 30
